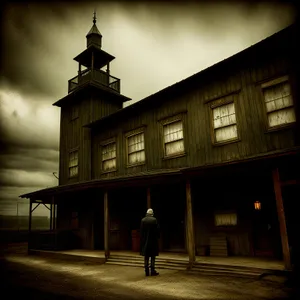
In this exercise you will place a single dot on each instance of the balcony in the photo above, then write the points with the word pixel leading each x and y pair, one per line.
pixel 97 76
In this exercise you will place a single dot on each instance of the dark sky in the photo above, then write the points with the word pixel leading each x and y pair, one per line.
pixel 155 45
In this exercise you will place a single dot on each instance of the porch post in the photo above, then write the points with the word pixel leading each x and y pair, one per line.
pixel 106 226
pixel 51 215
pixel 281 217
pixel 189 224
pixel 148 197
pixel 29 225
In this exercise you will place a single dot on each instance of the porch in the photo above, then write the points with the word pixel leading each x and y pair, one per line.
pixel 101 222
pixel 253 267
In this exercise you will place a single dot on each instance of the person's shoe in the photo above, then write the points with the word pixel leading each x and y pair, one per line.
pixel 147 272
pixel 154 273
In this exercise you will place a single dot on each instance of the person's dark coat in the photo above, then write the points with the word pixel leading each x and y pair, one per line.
pixel 149 234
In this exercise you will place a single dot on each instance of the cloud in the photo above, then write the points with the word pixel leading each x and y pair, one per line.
pixel 155 45
pixel 27 123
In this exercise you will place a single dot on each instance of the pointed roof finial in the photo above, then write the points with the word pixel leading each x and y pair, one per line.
pixel 94 19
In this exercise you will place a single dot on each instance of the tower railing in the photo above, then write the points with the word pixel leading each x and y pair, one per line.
pixel 98 76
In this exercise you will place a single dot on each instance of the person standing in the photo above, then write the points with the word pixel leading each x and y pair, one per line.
pixel 149 234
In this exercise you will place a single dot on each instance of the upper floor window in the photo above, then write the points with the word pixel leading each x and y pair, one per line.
pixel 136 148
pixel 224 123
pixel 278 102
pixel 109 157
pixel 73 163
pixel 173 138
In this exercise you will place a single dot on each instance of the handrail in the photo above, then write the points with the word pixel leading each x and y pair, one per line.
pixel 99 76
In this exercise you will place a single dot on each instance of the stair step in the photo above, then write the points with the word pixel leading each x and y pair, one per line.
pixel 227 273
pixel 142 263
pixel 227 269
pixel 158 266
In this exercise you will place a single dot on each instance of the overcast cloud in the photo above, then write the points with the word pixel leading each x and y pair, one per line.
pixel 155 46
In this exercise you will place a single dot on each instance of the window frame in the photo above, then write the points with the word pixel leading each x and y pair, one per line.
pixel 71 151
pixel 268 84
pixel 165 122
pixel 218 103
pixel 104 144
pixel 127 136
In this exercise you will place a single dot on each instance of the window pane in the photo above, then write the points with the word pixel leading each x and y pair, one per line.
pixel 281 117
pixel 136 157
pixel 173 132
pixel 226 133
pixel 174 147
pixel 73 171
pixel 224 115
pixel 278 96
pixel 136 143
pixel 109 164
pixel 109 151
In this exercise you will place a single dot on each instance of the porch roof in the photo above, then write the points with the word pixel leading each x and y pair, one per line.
pixel 154 176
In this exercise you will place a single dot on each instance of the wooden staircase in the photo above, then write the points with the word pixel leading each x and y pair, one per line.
pixel 218 246
pixel 182 265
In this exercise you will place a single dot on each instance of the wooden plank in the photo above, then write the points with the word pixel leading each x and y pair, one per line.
pixel 190 225
pixel 106 225
pixel 281 217
pixel 29 225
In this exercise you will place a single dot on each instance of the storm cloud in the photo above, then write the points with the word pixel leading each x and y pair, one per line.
pixel 155 45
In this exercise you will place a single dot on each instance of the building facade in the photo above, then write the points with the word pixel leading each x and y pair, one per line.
pixel 214 155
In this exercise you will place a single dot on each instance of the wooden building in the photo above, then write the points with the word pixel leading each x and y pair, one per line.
pixel 215 155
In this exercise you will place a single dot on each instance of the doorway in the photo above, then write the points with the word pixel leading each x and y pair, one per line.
pixel 168 202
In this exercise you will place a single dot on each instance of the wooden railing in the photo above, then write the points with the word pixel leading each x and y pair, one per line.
pixel 98 76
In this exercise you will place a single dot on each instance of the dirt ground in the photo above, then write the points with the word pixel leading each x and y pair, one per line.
pixel 43 278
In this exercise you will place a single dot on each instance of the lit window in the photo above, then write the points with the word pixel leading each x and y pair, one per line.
pixel 224 123
pixel 136 148
pixel 226 219
pixel 173 138
pixel 73 163
pixel 279 104
pixel 109 157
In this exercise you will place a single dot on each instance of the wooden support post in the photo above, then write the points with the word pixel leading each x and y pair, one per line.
pixel 108 73
pixel 106 225
pixel 148 198
pixel 190 225
pixel 281 217
pixel 29 225
pixel 51 216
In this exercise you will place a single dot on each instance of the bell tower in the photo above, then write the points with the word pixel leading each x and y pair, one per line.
pixel 92 94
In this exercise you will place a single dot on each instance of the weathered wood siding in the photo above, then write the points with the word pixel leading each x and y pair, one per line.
pixel 241 79
pixel 73 135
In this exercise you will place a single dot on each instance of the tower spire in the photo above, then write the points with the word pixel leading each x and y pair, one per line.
pixel 94 18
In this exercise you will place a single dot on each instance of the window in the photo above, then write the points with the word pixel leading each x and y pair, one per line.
pixel 73 163
pixel 279 103
pixel 173 138
pixel 226 219
pixel 136 148
pixel 224 123
pixel 109 157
